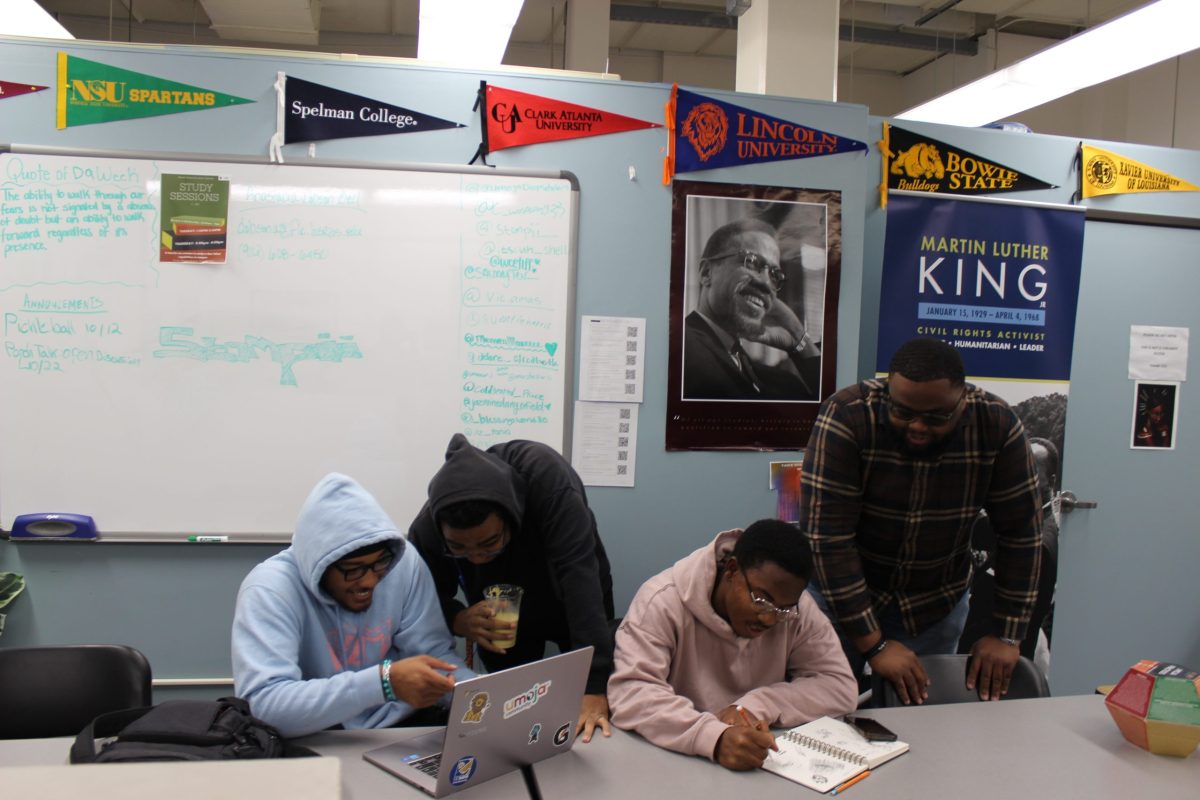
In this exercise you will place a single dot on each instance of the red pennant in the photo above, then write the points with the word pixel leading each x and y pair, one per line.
pixel 515 118
pixel 9 89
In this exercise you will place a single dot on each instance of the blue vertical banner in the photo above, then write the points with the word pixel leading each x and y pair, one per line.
pixel 997 280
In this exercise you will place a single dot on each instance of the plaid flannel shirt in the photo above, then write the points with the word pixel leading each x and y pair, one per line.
pixel 886 526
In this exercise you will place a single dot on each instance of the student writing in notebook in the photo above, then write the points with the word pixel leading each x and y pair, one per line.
pixel 726 643
pixel 343 627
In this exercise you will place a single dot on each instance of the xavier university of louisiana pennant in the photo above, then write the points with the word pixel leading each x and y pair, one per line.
pixel 706 133
pixel 313 112
pixel 9 89
pixel 1105 172
pixel 921 164
pixel 511 119
pixel 91 92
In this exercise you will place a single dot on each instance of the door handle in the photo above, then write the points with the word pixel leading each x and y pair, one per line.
pixel 1069 502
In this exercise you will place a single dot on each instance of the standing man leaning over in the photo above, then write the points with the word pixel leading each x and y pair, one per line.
pixel 740 278
pixel 517 514
pixel 895 473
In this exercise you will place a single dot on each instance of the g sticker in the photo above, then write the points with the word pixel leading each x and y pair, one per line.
pixel 464 768
pixel 562 734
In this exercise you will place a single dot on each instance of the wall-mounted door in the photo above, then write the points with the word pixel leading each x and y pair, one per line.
pixel 1127 584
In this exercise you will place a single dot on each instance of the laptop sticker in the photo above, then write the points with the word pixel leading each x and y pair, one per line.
pixel 464 768
pixel 526 700
pixel 562 734
pixel 478 707
pixel 535 732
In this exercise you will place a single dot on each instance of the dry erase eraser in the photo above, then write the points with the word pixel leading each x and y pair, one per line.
pixel 54 527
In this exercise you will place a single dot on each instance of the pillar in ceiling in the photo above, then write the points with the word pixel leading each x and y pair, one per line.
pixel 586 40
pixel 789 48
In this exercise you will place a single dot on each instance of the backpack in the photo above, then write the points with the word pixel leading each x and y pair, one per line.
pixel 182 730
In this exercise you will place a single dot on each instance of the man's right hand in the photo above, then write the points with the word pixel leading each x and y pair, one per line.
pixel 420 681
pixel 898 664
pixel 742 747
pixel 478 623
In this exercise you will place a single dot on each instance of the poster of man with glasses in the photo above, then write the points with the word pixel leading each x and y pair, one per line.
pixel 753 306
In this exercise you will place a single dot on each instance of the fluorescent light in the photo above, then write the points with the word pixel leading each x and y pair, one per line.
pixel 27 18
pixel 1158 31
pixel 474 32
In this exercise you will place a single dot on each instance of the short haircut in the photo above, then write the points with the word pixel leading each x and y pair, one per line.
pixel 469 513
pixel 923 360
pixel 367 549
pixel 1052 457
pixel 772 541
pixel 721 240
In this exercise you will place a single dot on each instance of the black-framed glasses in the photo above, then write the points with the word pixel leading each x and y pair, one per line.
pixel 756 264
pixel 490 548
pixel 933 419
pixel 379 566
pixel 764 606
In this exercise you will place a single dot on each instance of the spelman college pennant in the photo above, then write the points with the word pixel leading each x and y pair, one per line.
pixel 706 133
pixel 511 119
pixel 1105 172
pixel 921 164
pixel 90 92
pixel 9 89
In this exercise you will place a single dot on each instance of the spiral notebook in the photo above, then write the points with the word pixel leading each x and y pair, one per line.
pixel 825 753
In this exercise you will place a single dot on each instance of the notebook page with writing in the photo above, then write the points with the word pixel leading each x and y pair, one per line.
pixel 826 752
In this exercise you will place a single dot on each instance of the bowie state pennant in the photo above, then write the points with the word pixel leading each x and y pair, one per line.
pixel 312 112
pixel 512 119
pixel 9 89
pixel 90 92
pixel 1104 172
pixel 706 133
pixel 918 163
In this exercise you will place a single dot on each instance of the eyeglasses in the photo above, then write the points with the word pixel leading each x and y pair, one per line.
pixel 379 566
pixel 756 264
pixel 486 551
pixel 764 606
pixel 933 419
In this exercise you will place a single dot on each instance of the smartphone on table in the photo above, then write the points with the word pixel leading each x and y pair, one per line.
pixel 872 730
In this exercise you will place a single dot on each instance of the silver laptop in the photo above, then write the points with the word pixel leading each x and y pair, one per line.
pixel 498 723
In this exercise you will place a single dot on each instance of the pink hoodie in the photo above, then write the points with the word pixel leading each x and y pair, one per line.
pixel 678 663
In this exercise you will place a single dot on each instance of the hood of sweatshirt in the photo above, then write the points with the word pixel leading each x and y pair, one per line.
pixel 473 474
pixel 695 576
pixel 339 517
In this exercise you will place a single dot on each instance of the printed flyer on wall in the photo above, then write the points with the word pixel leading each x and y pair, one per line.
pixel 195 209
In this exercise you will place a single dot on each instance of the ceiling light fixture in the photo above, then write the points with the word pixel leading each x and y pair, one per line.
pixel 1158 31
pixel 466 32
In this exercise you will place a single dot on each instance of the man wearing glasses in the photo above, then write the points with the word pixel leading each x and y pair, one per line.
pixel 342 628
pixel 726 644
pixel 895 473
pixel 740 279
pixel 517 514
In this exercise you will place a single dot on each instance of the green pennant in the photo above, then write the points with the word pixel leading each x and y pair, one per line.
pixel 90 92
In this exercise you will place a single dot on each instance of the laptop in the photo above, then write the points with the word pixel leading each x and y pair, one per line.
pixel 498 723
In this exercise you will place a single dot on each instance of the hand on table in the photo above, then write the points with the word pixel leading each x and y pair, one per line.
pixel 593 715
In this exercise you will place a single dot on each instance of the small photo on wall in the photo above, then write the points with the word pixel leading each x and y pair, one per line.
pixel 1155 409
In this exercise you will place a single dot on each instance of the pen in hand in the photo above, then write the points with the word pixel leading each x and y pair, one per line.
pixel 758 725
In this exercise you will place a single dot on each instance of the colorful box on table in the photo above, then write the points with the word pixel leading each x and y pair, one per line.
pixel 1157 707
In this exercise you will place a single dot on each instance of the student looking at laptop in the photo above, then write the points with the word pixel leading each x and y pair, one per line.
pixel 725 644
pixel 343 627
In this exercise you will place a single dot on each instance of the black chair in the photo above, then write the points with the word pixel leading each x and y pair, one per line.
pixel 57 691
pixel 948 683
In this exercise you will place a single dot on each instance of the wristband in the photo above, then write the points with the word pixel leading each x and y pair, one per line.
pixel 1012 642
pixel 876 650
pixel 385 670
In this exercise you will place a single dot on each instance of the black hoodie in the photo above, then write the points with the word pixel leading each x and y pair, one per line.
pixel 555 553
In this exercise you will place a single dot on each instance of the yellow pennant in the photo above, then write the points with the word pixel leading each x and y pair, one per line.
pixel 1104 172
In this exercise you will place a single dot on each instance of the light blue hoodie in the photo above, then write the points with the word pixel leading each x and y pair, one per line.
pixel 302 660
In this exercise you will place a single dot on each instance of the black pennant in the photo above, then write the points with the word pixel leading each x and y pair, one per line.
pixel 313 112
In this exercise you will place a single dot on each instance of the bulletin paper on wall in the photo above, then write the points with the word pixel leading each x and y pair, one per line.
pixel 604 442
pixel 611 358
pixel 1158 353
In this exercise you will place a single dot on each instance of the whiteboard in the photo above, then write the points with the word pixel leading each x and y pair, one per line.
pixel 362 316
